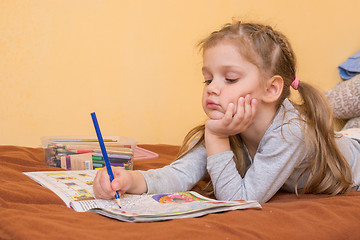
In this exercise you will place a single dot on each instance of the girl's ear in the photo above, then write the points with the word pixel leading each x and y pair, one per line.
pixel 273 89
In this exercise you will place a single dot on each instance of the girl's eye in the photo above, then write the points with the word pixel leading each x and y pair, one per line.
pixel 231 80
pixel 207 82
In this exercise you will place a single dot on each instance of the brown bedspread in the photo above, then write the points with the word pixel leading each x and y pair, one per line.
pixel 30 211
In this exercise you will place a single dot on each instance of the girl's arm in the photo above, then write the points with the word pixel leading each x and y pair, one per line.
pixel 276 163
pixel 272 166
pixel 181 175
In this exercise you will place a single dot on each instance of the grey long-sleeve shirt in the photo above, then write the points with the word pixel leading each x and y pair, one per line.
pixel 275 164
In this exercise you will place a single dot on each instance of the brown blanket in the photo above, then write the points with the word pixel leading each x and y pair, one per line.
pixel 30 211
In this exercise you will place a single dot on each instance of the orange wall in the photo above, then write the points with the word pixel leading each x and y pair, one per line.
pixel 135 63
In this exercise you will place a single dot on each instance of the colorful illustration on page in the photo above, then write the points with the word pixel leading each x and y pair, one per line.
pixel 176 198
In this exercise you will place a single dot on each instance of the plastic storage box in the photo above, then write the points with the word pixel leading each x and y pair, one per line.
pixel 84 153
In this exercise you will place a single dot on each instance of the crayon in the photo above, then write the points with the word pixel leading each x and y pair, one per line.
pixel 116 151
pixel 98 165
pixel 97 159
pixel 100 158
pixel 80 151
pixel 122 156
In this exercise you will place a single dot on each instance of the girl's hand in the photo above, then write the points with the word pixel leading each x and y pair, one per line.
pixel 217 131
pixel 105 189
pixel 234 120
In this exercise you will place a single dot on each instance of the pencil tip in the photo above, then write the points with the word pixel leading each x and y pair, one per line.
pixel 118 202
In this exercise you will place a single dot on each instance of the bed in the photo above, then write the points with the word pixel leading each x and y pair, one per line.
pixel 30 211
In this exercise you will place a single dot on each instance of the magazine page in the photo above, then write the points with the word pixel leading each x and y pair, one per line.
pixel 86 205
pixel 159 207
pixel 138 218
pixel 68 185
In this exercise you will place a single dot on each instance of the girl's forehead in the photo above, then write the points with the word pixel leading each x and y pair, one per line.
pixel 223 47
pixel 228 49
pixel 242 46
pixel 239 45
pixel 223 41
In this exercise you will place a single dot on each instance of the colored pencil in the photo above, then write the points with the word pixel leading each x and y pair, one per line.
pixel 80 140
pixel 106 159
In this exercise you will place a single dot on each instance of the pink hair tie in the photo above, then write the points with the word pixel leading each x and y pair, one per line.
pixel 295 83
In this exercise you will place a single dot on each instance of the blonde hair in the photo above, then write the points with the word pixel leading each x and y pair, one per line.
pixel 271 52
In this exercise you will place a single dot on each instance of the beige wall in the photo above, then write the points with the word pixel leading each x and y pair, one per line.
pixel 135 63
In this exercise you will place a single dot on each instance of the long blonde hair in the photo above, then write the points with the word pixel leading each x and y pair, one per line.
pixel 271 52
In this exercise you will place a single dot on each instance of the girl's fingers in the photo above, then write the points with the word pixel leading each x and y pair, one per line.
pixel 229 113
pixel 236 118
pixel 254 103
pixel 247 109
pixel 240 108
pixel 103 187
pixel 98 189
pixel 117 172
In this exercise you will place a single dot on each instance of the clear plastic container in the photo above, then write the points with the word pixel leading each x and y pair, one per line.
pixel 83 152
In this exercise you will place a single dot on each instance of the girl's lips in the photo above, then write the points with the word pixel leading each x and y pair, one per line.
pixel 211 104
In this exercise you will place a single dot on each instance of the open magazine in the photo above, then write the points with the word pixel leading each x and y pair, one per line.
pixel 76 190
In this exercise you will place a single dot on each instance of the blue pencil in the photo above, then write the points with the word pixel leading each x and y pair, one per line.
pixel 104 153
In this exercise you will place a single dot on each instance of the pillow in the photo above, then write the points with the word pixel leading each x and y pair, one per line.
pixel 344 98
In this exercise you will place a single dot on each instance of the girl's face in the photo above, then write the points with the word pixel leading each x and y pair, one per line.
pixel 228 76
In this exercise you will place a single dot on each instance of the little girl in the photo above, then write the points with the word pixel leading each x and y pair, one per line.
pixel 256 140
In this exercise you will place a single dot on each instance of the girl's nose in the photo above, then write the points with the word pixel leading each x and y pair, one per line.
pixel 213 88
